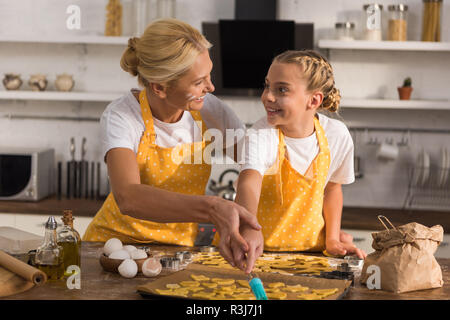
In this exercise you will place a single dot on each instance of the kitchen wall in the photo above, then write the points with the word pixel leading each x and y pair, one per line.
pixel 359 74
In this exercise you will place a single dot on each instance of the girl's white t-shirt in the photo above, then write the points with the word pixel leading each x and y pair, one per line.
pixel 122 124
pixel 261 146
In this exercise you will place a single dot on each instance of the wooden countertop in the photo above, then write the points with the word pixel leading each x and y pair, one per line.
pixel 352 218
pixel 97 284
pixel 366 218
pixel 52 206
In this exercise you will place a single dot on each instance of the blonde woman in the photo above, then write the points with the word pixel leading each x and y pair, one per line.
pixel 154 197
pixel 296 163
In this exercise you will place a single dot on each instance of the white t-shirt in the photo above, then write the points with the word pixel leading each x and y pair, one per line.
pixel 122 124
pixel 261 145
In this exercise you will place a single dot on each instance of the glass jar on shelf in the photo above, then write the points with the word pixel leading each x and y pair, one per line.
pixel 431 23
pixel 372 22
pixel 345 31
pixel 397 28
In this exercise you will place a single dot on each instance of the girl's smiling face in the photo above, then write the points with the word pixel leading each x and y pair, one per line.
pixel 288 103
pixel 285 96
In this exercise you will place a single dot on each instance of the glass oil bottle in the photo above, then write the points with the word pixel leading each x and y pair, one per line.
pixel 49 256
pixel 69 239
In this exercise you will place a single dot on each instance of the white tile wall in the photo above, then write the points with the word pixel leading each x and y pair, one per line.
pixel 96 68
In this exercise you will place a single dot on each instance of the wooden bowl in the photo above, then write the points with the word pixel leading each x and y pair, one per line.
pixel 111 265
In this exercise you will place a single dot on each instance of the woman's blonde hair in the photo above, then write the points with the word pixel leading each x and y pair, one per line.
pixel 164 52
pixel 318 74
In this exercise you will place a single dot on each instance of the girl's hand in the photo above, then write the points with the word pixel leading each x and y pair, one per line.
pixel 338 248
pixel 255 240
pixel 227 216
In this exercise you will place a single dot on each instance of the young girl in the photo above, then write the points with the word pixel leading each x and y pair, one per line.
pixel 296 161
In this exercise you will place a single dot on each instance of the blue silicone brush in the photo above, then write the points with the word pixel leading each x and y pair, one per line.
pixel 257 287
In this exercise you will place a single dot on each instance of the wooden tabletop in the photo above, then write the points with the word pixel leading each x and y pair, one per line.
pixel 97 284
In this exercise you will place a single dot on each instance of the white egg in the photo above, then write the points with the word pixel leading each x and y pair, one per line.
pixel 138 254
pixel 120 254
pixel 129 248
pixel 112 245
pixel 151 267
pixel 128 268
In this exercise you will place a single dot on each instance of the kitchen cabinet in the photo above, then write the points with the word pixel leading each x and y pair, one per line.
pixel 34 223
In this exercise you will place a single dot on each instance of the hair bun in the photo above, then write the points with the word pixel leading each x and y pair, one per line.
pixel 332 101
pixel 129 61
pixel 132 43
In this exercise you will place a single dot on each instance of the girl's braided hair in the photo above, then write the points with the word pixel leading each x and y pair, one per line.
pixel 318 74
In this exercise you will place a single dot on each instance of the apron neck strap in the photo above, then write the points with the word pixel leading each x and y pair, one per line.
pixel 318 130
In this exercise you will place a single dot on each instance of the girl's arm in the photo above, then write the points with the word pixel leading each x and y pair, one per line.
pixel 248 192
pixel 150 203
pixel 332 211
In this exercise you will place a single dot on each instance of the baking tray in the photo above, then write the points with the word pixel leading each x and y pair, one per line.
pixel 148 290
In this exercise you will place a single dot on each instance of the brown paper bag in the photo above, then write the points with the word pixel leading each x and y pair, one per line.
pixel 405 256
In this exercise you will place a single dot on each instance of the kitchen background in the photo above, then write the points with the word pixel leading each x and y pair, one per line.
pixel 368 80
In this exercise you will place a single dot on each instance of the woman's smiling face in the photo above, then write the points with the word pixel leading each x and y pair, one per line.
pixel 285 96
pixel 189 91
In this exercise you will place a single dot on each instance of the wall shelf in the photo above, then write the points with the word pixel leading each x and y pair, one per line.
pixel 64 39
pixel 59 96
pixel 347 103
pixel 385 45
pixel 395 104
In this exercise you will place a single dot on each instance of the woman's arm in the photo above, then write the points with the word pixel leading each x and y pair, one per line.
pixel 135 199
pixel 150 203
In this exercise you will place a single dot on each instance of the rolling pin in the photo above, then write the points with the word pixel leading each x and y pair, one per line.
pixel 22 269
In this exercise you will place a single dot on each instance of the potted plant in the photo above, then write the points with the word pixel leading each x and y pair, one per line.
pixel 404 92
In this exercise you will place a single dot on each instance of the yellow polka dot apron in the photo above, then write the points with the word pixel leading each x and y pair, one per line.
pixel 180 169
pixel 290 205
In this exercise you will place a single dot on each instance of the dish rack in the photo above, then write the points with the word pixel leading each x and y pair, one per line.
pixel 428 187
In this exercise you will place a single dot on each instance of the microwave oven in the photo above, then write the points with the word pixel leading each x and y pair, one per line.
pixel 26 174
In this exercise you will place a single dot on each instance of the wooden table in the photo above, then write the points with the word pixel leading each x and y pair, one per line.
pixel 97 284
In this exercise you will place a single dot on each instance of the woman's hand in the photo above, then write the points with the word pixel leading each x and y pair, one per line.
pixel 228 216
pixel 338 248
pixel 255 240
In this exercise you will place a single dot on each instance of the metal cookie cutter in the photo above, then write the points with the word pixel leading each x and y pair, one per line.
pixel 170 263
pixel 354 262
pixel 208 249
pixel 343 272
pixel 184 256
